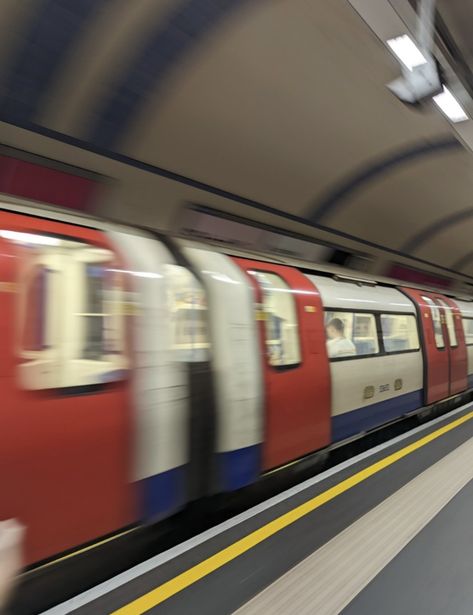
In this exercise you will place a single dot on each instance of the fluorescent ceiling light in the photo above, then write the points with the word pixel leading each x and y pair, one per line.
pixel 407 51
pixel 30 238
pixel 450 106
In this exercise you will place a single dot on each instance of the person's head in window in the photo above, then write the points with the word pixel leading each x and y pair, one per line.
pixel 335 328
pixel 337 344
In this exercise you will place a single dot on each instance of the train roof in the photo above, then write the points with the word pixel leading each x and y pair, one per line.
pixel 320 269
pixel 39 209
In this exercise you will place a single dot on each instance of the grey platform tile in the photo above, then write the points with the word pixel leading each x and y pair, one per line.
pixel 326 581
pixel 433 574
pixel 228 588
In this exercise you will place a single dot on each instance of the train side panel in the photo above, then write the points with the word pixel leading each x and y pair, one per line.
pixel 371 391
pixel 380 376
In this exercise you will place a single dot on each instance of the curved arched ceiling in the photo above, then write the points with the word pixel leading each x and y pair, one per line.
pixel 258 108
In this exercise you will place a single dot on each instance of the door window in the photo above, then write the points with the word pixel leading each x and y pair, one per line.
pixel 281 326
pixel 188 314
pixel 34 334
pixel 468 329
pixel 437 322
pixel 71 327
pixel 449 317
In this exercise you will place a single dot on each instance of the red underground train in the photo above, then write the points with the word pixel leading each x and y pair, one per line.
pixel 139 373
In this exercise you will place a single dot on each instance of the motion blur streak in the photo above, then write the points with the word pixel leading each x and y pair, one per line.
pixel 35 66
pixel 169 44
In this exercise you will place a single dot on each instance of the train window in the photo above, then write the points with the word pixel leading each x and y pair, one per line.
pixel 399 332
pixel 282 329
pixel 70 317
pixel 351 334
pixel 437 322
pixel 468 329
pixel 452 336
pixel 188 311
pixel 101 315
pixel 34 335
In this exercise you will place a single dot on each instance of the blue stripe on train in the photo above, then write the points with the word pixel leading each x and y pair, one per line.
pixel 163 493
pixel 356 421
pixel 242 467
pixel 239 468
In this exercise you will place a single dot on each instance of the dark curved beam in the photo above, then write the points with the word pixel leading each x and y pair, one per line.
pixel 52 31
pixel 426 234
pixel 338 196
pixel 172 39
pixel 462 262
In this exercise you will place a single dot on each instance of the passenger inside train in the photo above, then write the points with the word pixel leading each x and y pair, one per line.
pixel 337 344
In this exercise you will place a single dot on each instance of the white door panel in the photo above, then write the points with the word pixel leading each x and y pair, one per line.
pixel 236 353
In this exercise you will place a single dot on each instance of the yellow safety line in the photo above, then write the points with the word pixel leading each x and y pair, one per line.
pixel 194 574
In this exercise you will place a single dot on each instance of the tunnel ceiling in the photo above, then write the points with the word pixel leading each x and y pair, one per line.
pixel 272 110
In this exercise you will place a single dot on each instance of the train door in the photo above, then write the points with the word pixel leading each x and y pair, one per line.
pixel 436 345
pixel 436 350
pixel 65 416
pixel 296 369
pixel 458 377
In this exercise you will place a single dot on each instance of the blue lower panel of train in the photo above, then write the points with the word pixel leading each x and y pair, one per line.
pixel 351 423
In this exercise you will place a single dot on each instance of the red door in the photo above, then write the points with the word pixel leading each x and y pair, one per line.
pixel 64 453
pixel 454 334
pixel 296 368
pixel 445 352
pixel 436 351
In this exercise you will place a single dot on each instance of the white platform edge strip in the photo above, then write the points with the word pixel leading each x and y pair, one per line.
pixel 158 560
pixel 331 577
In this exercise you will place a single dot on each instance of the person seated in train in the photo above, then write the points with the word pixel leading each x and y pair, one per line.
pixel 337 344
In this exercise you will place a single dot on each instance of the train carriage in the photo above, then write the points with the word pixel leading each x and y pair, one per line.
pixel 138 373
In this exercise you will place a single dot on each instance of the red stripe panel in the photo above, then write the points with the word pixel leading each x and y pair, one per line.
pixel 33 181
pixel 406 274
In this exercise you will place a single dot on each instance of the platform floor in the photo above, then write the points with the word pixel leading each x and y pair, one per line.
pixel 390 531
